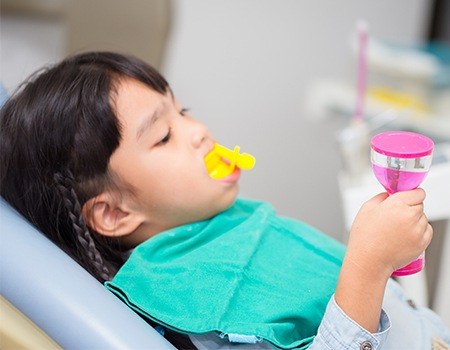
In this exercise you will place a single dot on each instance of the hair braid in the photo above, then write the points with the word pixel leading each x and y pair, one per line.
pixel 65 184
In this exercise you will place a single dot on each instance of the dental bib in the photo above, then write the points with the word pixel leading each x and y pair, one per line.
pixel 245 274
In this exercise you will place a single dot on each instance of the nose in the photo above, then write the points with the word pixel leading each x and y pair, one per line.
pixel 200 134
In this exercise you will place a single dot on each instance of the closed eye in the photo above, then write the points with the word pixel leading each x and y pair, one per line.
pixel 166 138
pixel 184 111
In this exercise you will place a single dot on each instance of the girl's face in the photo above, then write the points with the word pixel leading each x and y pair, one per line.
pixel 161 157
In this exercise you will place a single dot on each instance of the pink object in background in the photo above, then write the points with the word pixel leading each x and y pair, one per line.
pixel 400 162
pixel 362 32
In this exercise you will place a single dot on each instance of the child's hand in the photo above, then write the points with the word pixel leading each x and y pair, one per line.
pixel 389 232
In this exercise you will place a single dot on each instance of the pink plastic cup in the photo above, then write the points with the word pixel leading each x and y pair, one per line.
pixel 400 162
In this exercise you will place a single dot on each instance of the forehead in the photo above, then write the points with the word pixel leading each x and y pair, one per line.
pixel 134 100
pixel 138 109
pixel 132 94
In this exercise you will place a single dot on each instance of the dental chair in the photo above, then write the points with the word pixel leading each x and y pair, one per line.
pixel 47 295
pixel 48 301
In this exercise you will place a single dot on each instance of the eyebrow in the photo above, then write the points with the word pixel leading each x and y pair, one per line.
pixel 149 121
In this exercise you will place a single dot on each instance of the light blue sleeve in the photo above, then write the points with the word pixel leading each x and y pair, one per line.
pixel 337 331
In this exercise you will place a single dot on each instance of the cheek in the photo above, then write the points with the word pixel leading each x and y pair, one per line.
pixel 169 186
pixel 184 189
pixel 185 186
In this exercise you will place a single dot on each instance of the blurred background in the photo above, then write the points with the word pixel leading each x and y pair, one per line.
pixel 277 78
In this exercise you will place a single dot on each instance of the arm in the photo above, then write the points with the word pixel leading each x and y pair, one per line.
pixel 387 233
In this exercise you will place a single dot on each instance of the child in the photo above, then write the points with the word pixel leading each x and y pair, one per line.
pixel 100 156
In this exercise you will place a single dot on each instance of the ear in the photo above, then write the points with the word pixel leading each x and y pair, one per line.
pixel 110 216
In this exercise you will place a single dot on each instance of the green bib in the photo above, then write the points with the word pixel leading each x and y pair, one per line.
pixel 245 272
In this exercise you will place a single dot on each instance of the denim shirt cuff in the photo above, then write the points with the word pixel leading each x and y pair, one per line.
pixel 339 331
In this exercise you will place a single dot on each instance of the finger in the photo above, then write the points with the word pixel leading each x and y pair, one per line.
pixel 418 209
pixel 380 197
pixel 423 221
pixel 428 235
pixel 412 197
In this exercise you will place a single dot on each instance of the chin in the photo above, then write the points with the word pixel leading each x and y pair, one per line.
pixel 232 198
pixel 224 205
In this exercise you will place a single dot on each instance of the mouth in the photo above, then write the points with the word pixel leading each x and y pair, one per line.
pixel 220 168
pixel 225 164
pixel 233 177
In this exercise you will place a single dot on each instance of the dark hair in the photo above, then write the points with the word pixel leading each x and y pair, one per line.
pixel 57 134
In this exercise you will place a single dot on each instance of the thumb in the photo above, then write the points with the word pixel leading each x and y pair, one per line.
pixel 380 197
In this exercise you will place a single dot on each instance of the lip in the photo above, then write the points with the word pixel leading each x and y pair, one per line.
pixel 233 177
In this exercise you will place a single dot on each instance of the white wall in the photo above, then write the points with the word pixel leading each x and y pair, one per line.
pixel 244 68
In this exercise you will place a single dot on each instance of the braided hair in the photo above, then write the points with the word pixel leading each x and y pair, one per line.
pixel 64 183
pixel 57 134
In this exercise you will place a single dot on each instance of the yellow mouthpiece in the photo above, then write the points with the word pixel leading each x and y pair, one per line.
pixel 222 161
